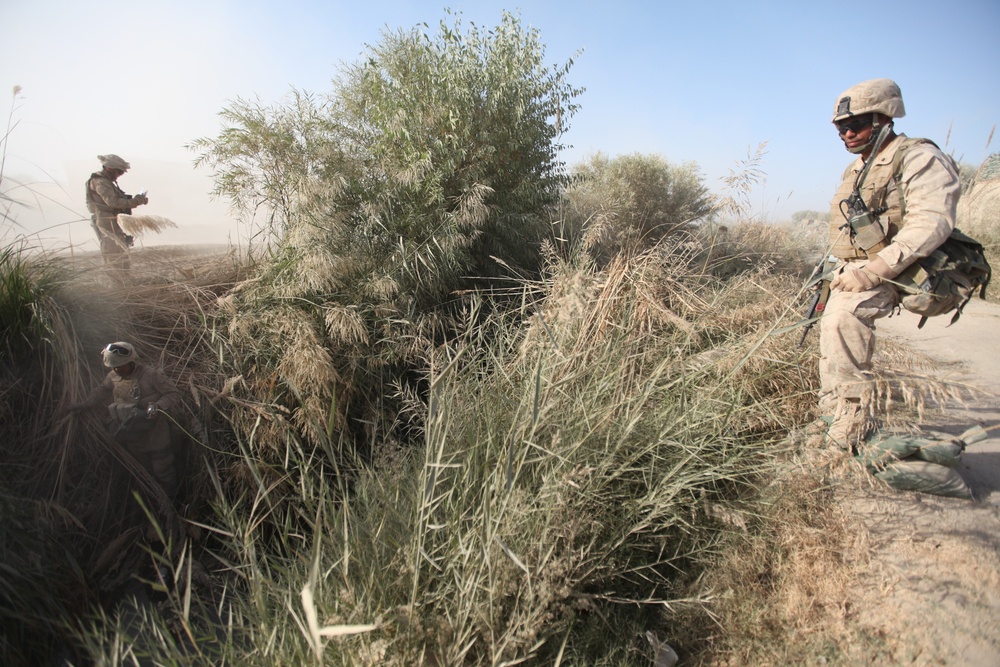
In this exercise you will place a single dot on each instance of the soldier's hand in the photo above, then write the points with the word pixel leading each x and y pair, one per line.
pixel 855 281
pixel 76 407
pixel 873 274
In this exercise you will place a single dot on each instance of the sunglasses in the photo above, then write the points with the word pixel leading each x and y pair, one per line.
pixel 118 349
pixel 855 125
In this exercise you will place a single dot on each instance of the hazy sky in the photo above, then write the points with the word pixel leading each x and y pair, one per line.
pixel 693 81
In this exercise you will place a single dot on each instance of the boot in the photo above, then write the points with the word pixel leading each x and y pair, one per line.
pixel 851 426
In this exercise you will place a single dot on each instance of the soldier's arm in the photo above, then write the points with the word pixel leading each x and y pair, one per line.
pixel 169 394
pixel 930 191
pixel 113 197
pixel 99 395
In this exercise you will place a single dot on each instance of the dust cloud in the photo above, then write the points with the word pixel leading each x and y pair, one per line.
pixel 52 213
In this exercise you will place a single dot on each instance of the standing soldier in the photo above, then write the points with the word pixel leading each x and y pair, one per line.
pixel 105 200
pixel 911 189
pixel 137 397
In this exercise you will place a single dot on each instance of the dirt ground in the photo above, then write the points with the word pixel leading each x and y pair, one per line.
pixel 929 592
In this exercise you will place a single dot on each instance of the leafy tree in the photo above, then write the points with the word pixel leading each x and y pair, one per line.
pixel 429 171
pixel 631 202
pixel 263 156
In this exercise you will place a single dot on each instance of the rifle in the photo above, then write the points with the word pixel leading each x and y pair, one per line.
pixel 862 223
pixel 821 289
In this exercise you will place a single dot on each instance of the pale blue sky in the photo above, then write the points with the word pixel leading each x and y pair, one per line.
pixel 691 81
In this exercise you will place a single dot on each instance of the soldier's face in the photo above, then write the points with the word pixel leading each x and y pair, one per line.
pixel 855 132
pixel 124 370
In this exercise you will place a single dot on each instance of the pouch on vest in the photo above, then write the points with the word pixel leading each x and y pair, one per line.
pixel 946 279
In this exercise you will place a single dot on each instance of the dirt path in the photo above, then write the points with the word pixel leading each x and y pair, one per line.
pixel 931 590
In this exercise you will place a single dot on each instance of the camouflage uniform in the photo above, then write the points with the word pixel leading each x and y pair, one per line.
pixel 105 200
pixel 919 191
pixel 930 186
pixel 151 441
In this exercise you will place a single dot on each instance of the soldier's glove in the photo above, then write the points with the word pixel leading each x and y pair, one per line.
pixel 129 240
pixel 139 200
pixel 862 280
pixel 855 281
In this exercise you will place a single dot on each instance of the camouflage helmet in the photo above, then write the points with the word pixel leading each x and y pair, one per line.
pixel 112 161
pixel 876 96
pixel 118 354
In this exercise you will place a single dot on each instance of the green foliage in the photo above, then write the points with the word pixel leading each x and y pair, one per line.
pixel 23 291
pixel 457 136
pixel 631 202
pixel 263 157
pixel 430 171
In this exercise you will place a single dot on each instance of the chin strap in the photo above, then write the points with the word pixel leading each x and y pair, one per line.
pixel 876 137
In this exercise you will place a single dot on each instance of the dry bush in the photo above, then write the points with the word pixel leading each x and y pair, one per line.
pixel 979 207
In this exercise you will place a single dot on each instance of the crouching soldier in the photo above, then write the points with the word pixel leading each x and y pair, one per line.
pixel 137 396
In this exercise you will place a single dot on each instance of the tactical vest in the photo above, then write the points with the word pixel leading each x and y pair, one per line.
pixel 127 395
pixel 881 189
pixel 96 205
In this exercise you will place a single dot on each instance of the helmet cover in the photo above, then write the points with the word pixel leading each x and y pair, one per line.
pixel 112 161
pixel 875 96
pixel 118 354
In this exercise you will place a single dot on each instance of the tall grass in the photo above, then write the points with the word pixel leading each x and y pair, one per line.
pixel 582 465
pixel 978 205
pixel 564 497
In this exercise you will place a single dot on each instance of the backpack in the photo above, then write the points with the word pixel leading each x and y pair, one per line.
pixel 946 279
pixel 949 277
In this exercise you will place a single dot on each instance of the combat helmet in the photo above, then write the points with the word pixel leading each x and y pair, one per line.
pixel 118 354
pixel 875 96
pixel 112 161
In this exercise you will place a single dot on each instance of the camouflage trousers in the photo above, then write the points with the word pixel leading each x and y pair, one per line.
pixel 847 343
pixel 153 449
pixel 115 257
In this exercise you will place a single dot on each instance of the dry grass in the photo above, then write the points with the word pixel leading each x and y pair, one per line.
pixel 782 583
pixel 66 465
pixel 611 465
pixel 140 225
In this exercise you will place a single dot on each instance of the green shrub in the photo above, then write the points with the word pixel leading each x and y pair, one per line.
pixel 629 203
pixel 21 289
pixel 430 171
